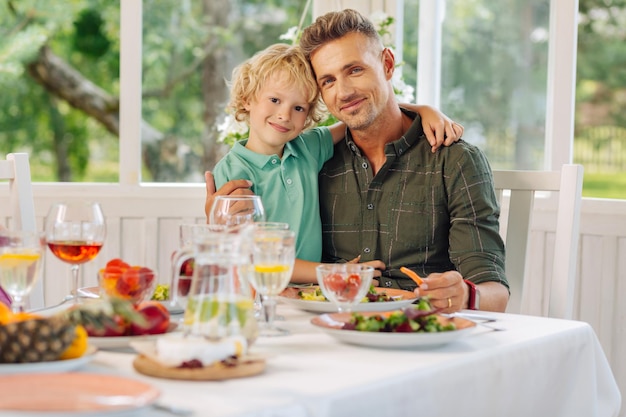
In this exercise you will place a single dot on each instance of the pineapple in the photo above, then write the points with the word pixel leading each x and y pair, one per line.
pixel 35 339
pixel 26 337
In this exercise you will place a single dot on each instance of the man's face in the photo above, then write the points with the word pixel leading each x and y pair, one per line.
pixel 353 74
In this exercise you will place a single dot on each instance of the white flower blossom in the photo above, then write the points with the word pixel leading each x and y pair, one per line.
pixel 231 130
pixel 404 92
pixel 379 18
pixel 291 35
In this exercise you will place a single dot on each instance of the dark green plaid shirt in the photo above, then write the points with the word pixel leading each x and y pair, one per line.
pixel 428 212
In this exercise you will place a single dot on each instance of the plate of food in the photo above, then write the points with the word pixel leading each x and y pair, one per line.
pixel 73 393
pixel 377 299
pixel 416 326
pixel 61 365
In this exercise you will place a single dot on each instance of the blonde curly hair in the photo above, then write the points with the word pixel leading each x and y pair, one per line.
pixel 250 77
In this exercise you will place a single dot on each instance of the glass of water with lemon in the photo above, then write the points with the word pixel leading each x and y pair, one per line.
pixel 273 257
pixel 20 264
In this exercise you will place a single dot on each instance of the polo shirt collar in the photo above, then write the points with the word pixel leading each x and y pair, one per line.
pixel 260 161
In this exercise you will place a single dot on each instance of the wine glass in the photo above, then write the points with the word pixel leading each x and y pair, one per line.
pixel 20 264
pixel 344 284
pixel 75 234
pixel 273 256
pixel 235 210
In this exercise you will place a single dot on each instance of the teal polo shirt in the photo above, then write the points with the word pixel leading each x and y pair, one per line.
pixel 288 187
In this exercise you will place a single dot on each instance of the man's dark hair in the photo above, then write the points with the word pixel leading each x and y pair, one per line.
pixel 335 25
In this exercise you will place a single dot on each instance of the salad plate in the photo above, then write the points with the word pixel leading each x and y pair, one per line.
pixel 64 365
pixel 400 299
pixel 332 325
pixel 117 342
pixel 73 393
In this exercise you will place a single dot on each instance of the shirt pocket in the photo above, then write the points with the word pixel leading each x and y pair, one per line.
pixel 416 220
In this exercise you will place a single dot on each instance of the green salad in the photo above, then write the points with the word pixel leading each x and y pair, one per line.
pixel 418 317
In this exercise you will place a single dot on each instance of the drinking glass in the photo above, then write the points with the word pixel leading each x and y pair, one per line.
pixel 258 302
pixel 20 264
pixel 273 257
pixel 75 234
pixel 234 210
pixel 344 284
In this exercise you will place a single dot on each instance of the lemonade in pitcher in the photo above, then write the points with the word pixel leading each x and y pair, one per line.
pixel 215 316
pixel 219 302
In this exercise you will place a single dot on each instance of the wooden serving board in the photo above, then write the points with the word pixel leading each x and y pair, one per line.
pixel 216 372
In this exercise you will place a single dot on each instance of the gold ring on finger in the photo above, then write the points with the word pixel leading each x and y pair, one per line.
pixel 449 302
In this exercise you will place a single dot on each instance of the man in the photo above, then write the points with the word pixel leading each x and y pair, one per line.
pixel 384 195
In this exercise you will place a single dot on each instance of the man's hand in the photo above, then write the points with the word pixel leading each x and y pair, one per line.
pixel 445 290
pixel 379 267
pixel 448 291
pixel 234 187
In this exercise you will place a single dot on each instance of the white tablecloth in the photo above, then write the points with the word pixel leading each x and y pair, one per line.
pixel 535 367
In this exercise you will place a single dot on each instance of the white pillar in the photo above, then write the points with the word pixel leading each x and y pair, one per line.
pixel 561 91
pixel 431 17
pixel 130 91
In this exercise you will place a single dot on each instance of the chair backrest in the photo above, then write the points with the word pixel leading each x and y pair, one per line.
pixel 16 169
pixel 522 186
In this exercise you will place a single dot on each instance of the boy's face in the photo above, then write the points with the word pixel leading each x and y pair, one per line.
pixel 277 115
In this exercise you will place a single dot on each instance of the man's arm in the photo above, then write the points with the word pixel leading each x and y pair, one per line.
pixel 235 187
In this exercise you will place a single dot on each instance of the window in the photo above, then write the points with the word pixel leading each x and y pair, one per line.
pixel 493 80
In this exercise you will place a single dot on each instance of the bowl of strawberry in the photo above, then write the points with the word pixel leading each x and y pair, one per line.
pixel 121 280
pixel 344 284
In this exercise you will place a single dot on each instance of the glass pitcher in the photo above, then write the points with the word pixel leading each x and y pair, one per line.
pixel 219 302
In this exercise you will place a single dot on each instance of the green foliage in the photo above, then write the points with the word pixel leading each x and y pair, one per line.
pixel 88 37
pixel 604 185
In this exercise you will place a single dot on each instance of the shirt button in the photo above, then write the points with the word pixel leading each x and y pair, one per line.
pixel 400 151
pixel 274 161
pixel 364 165
pixel 367 250
pixel 388 284
pixel 353 148
pixel 289 181
pixel 370 206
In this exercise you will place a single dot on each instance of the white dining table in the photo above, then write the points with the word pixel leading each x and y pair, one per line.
pixel 533 366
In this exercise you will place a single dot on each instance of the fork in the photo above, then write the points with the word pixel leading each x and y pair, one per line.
pixel 478 319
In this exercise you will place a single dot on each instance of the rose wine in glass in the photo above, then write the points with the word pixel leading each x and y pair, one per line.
pixel 75 234
pixel 20 264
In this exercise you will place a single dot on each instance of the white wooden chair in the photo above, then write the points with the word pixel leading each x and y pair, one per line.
pixel 523 186
pixel 16 169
